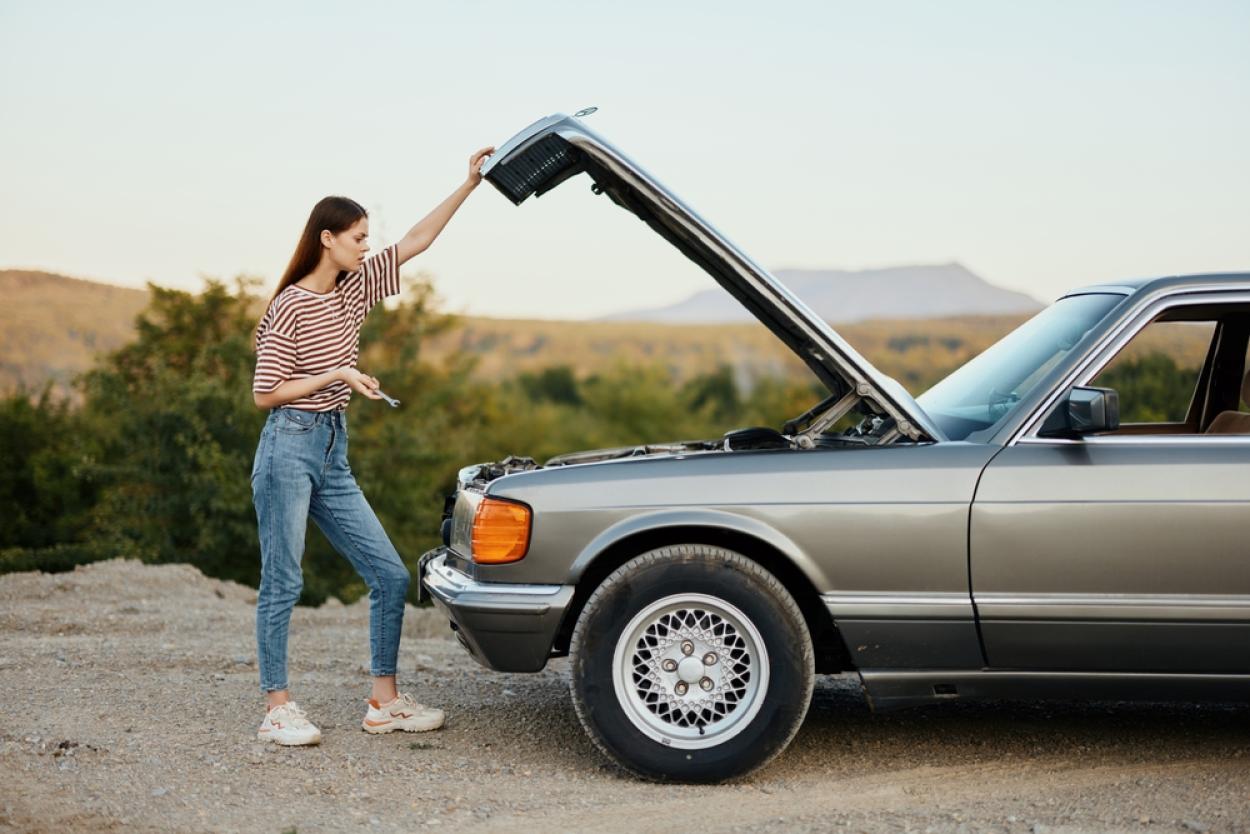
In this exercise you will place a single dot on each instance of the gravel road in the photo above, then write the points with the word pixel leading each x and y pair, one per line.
pixel 130 704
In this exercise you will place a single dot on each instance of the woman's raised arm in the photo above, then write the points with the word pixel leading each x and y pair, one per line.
pixel 420 236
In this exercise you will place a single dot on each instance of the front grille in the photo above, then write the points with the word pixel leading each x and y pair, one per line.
pixel 536 169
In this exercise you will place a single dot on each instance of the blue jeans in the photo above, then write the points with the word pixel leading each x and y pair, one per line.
pixel 301 471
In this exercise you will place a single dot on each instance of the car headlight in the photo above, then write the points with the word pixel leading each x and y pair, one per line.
pixel 501 531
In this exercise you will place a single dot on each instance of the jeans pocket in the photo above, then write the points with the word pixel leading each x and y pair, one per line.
pixel 291 421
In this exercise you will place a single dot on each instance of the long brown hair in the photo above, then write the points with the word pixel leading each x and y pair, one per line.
pixel 333 214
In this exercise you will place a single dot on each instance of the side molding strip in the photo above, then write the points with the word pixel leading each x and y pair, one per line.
pixel 892 605
pixel 1115 607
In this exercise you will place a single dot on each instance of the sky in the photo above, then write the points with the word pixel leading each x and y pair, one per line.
pixel 1042 145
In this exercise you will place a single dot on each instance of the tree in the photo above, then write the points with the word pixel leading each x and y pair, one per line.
pixel 173 415
pixel 46 491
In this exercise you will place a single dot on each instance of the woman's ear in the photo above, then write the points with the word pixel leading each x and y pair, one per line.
pixel 327 239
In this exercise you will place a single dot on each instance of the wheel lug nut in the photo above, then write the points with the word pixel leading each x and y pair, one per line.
pixel 669 665
pixel 687 648
pixel 706 684
pixel 681 688
pixel 709 659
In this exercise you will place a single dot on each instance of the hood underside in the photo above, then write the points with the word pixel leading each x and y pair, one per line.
pixel 558 147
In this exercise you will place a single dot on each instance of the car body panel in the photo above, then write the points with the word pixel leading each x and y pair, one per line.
pixel 802 495
pixel 824 510
pixel 1127 556
pixel 1155 571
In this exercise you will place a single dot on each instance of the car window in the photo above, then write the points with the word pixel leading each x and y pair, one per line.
pixel 1156 373
pixel 975 399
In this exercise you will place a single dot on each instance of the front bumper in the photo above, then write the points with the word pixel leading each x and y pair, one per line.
pixel 509 628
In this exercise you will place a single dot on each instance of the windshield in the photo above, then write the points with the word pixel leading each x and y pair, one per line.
pixel 983 392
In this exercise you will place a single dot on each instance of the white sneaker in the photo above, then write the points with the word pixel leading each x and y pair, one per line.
pixel 287 724
pixel 404 713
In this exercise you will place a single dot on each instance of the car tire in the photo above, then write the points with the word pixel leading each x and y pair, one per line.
pixel 691 663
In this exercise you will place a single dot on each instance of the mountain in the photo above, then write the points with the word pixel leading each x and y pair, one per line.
pixel 899 292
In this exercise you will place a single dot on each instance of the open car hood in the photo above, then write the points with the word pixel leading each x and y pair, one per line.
pixel 556 148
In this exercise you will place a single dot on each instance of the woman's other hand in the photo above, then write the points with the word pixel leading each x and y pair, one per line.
pixel 361 382
pixel 475 164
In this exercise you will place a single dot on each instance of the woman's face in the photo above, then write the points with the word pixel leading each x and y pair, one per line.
pixel 347 249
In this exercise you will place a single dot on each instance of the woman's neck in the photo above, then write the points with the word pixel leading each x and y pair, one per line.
pixel 321 279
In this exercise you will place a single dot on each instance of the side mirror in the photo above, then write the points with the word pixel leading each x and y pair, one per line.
pixel 1084 411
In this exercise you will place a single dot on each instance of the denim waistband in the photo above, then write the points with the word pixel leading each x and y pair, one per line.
pixel 336 417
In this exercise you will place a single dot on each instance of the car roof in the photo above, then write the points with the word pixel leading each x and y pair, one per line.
pixel 1211 280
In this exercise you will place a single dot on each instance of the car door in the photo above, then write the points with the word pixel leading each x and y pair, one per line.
pixel 1127 551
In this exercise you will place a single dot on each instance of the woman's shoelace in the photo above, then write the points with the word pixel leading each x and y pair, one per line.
pixel 296 716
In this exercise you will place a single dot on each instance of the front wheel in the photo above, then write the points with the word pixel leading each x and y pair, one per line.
pixel 692 663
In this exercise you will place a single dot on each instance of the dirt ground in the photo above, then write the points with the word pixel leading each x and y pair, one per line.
pixel 130 703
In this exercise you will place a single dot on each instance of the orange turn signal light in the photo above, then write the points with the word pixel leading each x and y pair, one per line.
pixel 501 531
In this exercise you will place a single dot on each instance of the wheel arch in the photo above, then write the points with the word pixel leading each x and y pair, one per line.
pixel 607 553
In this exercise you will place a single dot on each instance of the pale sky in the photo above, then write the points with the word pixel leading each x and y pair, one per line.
pixel 1043 145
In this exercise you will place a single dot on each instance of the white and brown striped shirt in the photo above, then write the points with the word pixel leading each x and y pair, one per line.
pixel 304 333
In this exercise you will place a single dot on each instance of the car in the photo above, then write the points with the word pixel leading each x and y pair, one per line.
pixel 1004 535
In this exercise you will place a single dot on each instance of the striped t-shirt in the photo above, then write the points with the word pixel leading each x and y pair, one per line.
pixel 304 333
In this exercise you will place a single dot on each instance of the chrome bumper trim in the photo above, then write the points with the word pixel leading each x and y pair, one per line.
pixel 464 584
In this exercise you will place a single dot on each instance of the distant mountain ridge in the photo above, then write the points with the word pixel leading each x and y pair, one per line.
pixel 839 295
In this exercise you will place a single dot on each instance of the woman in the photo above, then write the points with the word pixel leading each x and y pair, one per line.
pixel 307 345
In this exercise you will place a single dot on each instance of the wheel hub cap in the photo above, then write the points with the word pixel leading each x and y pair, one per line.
pixel 690 670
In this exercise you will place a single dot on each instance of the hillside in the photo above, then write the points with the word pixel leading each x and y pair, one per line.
pixel 51 326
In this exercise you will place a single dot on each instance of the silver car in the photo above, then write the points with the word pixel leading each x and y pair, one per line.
pixel 1002 536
